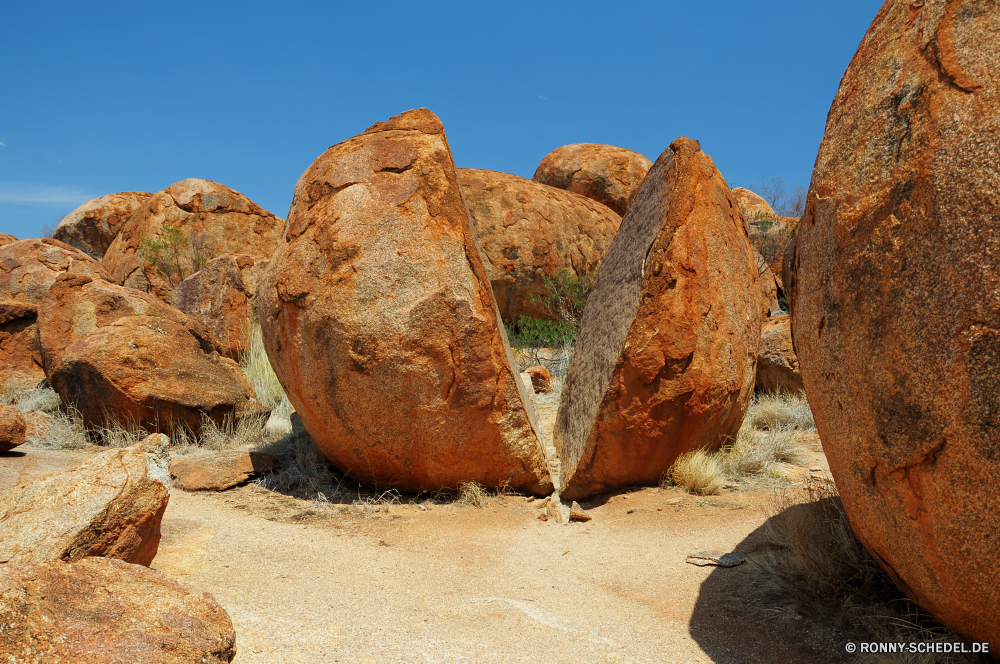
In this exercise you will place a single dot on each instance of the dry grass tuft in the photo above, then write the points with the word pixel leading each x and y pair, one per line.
pixel 781 411
pixel 697 472
pixel 473 494
pixel 259 372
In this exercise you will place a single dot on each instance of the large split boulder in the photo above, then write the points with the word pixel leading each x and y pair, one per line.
pixel 102 610
pixel 896 303
pixel 379 321
pixel 777 366
pixel 115 352
pixel 111 506
pixel 607 174
pixel 664 362
pixel 223 296
pixel 27 269
pixel 93 226
pixel 210 220
pixel 528 231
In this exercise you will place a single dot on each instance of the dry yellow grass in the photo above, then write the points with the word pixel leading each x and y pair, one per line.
pixel 697 472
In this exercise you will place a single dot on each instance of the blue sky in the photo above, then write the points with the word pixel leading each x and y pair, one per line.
pixel 135 96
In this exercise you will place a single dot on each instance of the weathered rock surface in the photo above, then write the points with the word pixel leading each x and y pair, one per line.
pixel 219 471
pixel 607 174
pixel 115 351
pixel 380 323
pixel 541 378
pixel 6 239
pixel 27 269
pixel 664 362
pixel 777 366
pixel 214 220
pixel 111 506
pixel 768 287
pixel 752 205
pixel 38 424
pixel 527 231
pixel 92 227
pixel 12 428
pixel 103 611
pixel 896 303
pixel 223 296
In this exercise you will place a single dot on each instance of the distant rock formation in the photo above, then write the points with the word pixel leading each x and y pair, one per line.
pixel 605 173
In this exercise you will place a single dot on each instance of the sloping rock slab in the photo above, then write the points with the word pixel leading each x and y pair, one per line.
pixel 219 471
pixel 110 506
pixel 105 611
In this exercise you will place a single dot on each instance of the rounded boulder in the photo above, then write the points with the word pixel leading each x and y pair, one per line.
pixel 607 174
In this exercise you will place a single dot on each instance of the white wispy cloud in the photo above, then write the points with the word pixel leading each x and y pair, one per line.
pixel 2 144
pixel 22 193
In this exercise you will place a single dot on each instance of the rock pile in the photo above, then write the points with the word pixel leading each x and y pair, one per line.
pixel 896 316
pixel 379 320
pixel 664 362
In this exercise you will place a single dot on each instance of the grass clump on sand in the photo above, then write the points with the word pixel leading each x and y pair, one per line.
pixel 697 472
pixel 810 555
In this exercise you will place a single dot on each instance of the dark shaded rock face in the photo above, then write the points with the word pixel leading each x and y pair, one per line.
pixel 664 362
pixel 896 303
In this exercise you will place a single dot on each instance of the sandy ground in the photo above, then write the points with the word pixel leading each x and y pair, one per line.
pixel 310 582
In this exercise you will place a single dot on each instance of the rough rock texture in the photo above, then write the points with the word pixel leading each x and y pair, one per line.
pixel 92 227
pixel 527 231
pixel 379 321
pixel 12 428
pixel 768 288
pixel 541 378
pixel 27 269
pixel 38 424
pixel 896 303
pixel 115 351
pixel 605 173
pixel 223 296
pixel 752 205
pixel 6 239
pixel 111 506
pixel 219 471
pixel 213 218
pixel 664 362
pixel 788 279
pixel 105 611
pixel 777 366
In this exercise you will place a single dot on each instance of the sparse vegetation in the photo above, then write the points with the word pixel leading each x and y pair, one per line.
pixel 565 296
pixel 697 472
pixel 174 254
pixel 781 411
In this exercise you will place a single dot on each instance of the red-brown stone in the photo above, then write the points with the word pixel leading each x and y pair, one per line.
pixel 607 174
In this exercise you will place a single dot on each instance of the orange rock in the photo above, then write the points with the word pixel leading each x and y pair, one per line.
pixel 27 269
pixel 768 287
pixel 110 506
pixel 777 366
pixel 101 610
pixel 12 428
pixel 541 378
pixel 223 296
pixel 527 231
pixel 379 321
pixel 6 239
pixel 664 362
pixel 604 173
pixel 219 471
pixel 752 205
pixel 39 424
pixel 92 227
pixel 896 313
pixel 115 351
pixel 213 219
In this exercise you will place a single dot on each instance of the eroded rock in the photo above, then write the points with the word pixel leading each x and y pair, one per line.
pixel 777 366
pixel 607 174
pixel 219 471
pixel 93 226
pixel 12 428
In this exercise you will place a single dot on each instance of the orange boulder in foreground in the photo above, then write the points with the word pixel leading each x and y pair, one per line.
pixel 93 226
pixel 379 321
pixel 896 303
pixel 527 231
pixel 664 362
pixel 27 270
pixel 607 174
pixel 213 220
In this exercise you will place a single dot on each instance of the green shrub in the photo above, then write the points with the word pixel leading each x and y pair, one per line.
pixel 174 255
pixel 565 296
pixel 531 332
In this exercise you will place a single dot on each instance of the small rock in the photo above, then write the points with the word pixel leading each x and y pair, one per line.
pixel 577 513
pixel 541 379
pixel 674 501
pixel 715 558
pixel 12 428
pixel 220 471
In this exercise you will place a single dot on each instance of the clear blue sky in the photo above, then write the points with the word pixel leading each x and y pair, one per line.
pixel 103 97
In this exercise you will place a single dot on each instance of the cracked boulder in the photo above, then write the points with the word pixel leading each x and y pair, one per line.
pixel 527 231
pixel 93 226
pixel 664 361
pixel 27 269
pixel 118 354
pixel 110 506
pixel 212 220
pixel 223 296
pixel 379 321
pixel 607 174
pixel 895 284
pixel 101 610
